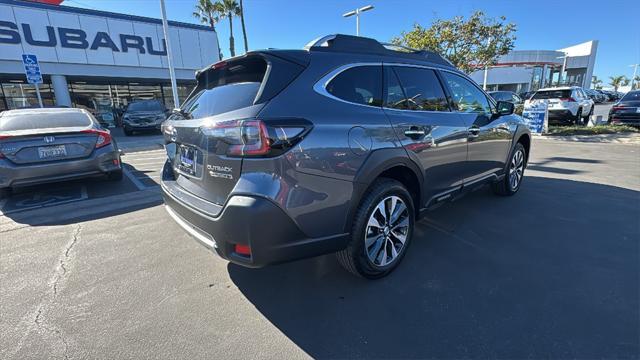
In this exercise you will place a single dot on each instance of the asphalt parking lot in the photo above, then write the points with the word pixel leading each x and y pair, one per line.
pixel 553 272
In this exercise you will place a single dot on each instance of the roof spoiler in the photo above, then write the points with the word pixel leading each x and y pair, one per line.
pixel 363 45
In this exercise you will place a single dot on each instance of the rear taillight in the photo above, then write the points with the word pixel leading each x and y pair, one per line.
pixel 3 137
pixel 104 137
pixel 569 99
pixel 244 250
pixel 257 138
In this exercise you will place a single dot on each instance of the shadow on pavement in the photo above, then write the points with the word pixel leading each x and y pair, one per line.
pixel 552 272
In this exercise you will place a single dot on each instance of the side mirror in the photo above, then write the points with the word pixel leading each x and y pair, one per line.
pixel 505 108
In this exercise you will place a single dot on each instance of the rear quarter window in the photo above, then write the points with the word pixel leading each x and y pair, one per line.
pixel 360 85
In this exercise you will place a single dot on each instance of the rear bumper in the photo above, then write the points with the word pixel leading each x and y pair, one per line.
pixel 100 162
pixel 563 116
pixel 625 119
pixel 139 127
pixel 245 220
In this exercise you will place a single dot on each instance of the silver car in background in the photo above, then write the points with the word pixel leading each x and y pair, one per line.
pixel 55 144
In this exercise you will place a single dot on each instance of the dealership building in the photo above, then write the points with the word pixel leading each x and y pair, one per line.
pixel 95 59
pixel 529 70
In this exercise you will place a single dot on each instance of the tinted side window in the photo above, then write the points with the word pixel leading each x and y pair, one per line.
pixel 421 88
pixel 360 85
pixel 466 96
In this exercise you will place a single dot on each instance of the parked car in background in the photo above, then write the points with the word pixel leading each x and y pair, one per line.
pixel 143 115
pixel 610 96
pixel 627 110
pixel 567 105
pixel 526 95
pixel 597 97
pixel 509 96
pixel 47 145
pixel 279 155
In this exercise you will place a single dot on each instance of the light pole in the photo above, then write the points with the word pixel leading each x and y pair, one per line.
pixel 172 73
pixel 486 70
pixel 357 13
pixel 635 71
pixel 564 68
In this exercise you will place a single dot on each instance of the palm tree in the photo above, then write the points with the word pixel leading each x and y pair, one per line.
pixel 228 9
pixel 207 13
pixel 244 30
pixel 597 83
pixel 618 81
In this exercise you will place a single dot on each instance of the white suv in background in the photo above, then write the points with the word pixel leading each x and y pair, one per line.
pixel 567 105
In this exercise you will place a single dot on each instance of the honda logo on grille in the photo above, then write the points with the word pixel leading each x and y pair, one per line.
pixel 49 139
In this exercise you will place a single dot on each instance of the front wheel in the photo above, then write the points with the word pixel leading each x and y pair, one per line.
pixel 381 231
pixel 514 174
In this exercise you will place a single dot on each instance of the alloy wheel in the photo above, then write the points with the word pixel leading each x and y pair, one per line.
pixel 516 169
pixel 387 231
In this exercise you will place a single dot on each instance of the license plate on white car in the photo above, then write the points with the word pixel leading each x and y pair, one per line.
pixel 49 152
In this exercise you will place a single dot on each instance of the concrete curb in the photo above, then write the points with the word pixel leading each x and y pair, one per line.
pixel 630 138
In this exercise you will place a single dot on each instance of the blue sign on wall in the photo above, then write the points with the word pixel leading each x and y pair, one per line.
pixel 32 69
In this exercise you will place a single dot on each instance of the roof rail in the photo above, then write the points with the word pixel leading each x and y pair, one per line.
pixel 363 45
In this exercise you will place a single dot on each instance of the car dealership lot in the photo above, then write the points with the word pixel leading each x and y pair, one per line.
pixel 551 272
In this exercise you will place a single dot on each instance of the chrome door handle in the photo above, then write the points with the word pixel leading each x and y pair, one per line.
pixel 414 132
pixel 474 131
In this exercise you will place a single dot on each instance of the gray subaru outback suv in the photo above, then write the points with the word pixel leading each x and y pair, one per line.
pixel 279 155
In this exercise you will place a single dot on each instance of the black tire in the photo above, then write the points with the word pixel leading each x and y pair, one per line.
pixel 505 186
pixel 578 119
pixel 585 121
pixel 355 258
pixel 127 132
pixel 116 175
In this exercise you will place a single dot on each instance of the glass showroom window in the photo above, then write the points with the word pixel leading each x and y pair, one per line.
pixel 95 98
pixel 18 94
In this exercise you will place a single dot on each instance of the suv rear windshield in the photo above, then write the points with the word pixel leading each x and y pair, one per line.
pixel 151 105
pixel 553 94
pixel 231 87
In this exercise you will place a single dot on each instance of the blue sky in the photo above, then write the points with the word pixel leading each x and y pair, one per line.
pixel 542 24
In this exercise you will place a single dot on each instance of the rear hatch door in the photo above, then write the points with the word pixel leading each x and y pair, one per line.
pixel 201 134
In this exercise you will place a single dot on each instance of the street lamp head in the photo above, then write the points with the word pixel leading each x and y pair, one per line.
pixel 365 8
pixel 350 13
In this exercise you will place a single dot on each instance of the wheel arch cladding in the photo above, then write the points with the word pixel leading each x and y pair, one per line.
pixel 389 163
pixel 525 140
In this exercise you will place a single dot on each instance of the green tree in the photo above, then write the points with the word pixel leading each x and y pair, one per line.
pixel 228 9
pixel 469 44
pixel 244 30
pixel 636 83
pixel 618 81
pixel 597 83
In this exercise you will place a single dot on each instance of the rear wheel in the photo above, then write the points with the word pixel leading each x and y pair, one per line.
pixel 586 119
pixel 514 174
pixel 381 232
pixel 578 118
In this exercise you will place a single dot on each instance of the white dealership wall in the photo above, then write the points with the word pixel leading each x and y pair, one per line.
pixel 193 46
pixel 517 66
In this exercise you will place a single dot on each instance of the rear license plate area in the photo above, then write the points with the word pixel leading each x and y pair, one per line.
pixel 187 160
pixel 52 152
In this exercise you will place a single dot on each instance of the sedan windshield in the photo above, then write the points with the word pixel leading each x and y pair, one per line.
pixel 145 106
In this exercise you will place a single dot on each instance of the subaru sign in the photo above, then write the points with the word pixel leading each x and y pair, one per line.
pixel 32 69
